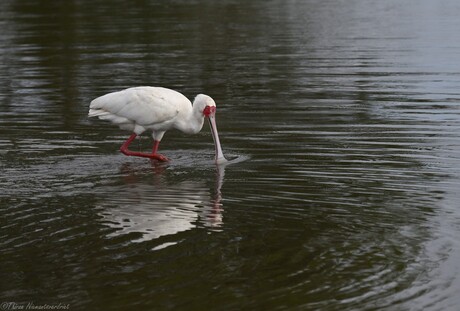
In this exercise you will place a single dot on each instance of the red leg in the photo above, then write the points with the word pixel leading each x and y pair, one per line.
pixel 154 155
pixel 156 143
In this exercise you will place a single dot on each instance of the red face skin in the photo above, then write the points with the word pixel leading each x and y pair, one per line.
pixel 209 110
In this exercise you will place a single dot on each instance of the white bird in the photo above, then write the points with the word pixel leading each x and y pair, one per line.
pixel 158 109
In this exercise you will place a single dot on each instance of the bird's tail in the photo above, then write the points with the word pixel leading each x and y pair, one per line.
pixel 97 113
pixel 105 115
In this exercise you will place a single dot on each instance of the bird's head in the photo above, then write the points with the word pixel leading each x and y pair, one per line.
pixel 205 104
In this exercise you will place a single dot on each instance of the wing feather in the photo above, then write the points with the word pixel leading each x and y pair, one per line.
pixel 144 106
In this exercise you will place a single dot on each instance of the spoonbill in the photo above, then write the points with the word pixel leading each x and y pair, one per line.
pixel 158 109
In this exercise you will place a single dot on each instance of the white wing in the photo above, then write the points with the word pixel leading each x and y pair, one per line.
pixel 145 106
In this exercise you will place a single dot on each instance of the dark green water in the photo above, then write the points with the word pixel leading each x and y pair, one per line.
pixel 342 117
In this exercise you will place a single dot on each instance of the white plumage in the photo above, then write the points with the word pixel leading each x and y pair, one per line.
pixel 158 109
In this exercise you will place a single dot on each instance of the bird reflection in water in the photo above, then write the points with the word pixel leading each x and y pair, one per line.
pixel 158 208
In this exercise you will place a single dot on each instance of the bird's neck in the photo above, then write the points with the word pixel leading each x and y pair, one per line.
pixel 192 124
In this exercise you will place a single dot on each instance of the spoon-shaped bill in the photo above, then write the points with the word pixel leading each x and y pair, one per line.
pixel 219 158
